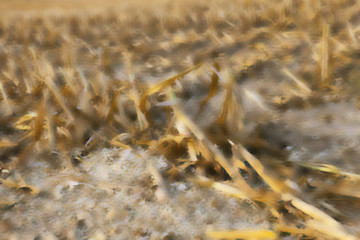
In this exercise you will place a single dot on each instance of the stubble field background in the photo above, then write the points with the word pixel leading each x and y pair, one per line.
pixel 179 120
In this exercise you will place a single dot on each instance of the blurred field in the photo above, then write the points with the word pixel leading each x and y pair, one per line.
pixel 41 5
pixel 179 120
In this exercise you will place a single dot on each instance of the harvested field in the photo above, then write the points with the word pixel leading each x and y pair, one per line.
pixel 179 120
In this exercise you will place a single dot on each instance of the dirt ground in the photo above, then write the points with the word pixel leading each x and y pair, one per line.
pixel 179 120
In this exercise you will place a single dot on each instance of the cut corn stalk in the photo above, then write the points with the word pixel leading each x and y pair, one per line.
pixel 242 234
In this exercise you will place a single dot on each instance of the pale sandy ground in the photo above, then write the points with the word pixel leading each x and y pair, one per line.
pixel 114 196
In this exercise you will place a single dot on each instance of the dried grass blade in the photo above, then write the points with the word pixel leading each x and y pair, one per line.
pixel 231 113
pixel 3 92
pixel 320 167
pixel 228 101
pixel 275 184
pixel 5 143
pixel 324 220
pixel 243 234
pixel 214 85
pixel 352 36
pixel 86 84
pixel 178 139
pixel 348 190
pixel 19 186
pixel 329 169
pixel 218 156
pixel 335 232
pixel 256 98
pixel 352 176
pixel 56 92
pixel 4 205
pixel 229 190
pixel 298 82
pixel 192 150
pixel 39 122
pixel 160 86
pixel 324 67
pixel 117 142
pixel 5 96
pixel 50 123
pixel 133 95
pixel 23 122
pixel 180 116
pixel 113 106
pixel 222 187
